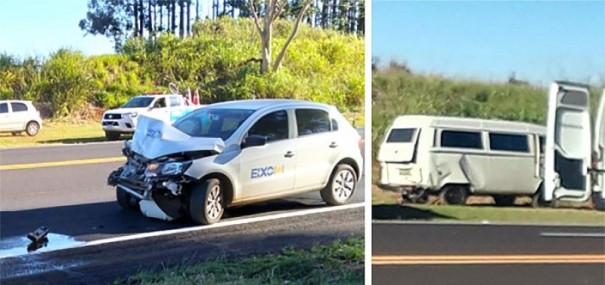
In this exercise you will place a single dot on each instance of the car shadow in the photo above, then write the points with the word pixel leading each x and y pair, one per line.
pixel 98 220
pixel 74 140
pixel 403 212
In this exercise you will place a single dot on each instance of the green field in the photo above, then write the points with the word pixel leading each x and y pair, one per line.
pixel 342 262
pixel 57 132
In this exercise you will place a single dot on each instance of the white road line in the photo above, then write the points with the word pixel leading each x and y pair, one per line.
pixel 483 223
pixel 224 224
pixel 578 235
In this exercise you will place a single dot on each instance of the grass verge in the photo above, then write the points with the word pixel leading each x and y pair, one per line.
pixel 57 132
pixel 342 262
pixel 385 206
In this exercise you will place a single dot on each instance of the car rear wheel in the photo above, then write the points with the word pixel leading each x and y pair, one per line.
pixel 126 201
pixel 206 203
pixel 341 186
pixel 32 129
pixel 454 195
pixel 112 136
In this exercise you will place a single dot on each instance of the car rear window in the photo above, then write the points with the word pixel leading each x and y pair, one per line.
pixel 401 135
pixel 18 107
pixel 3 108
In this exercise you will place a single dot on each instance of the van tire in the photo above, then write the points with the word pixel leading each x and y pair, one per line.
pixel 206 202
pixel 126 201
pixel 112 136
pixel 537 200
pixel 454 195
pixel 598 202
pixel 343 177
pixel 504 200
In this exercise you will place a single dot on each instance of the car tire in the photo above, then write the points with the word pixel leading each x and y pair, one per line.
pixel 453 195
pixel 341 186
pixel 206 202
pixel 504 200
pixel 112 136
pixel 32 128
pixel 16 133
pixel 126 201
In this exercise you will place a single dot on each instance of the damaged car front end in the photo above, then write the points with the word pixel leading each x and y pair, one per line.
pixel 154 178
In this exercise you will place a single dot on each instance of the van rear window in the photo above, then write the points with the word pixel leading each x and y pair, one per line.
pixel 401 135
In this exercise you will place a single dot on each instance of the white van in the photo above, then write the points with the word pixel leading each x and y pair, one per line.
pixel 455 157
pixel 571 154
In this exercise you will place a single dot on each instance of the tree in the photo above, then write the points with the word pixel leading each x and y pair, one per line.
pixel 272 9
pixel 110 18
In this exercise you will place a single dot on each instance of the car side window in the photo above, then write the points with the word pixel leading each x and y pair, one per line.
pixel 273 126
pixel 3 108
pixel 18 107
pixel 160 103
pixel 312 121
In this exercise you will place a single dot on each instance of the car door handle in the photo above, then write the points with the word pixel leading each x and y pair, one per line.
pixel 289 154
pixel 333 145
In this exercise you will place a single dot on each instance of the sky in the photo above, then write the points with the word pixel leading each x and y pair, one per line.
pixel 40 27
pixel 540 41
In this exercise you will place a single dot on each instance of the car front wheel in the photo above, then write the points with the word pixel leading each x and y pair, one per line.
pixel 32 129
pixel 125 200
pixel 341 186
pixel 206 203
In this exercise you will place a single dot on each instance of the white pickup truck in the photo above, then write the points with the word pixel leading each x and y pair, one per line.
pixel 166 107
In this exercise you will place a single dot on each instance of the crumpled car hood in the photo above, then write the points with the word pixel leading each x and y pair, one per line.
pixel 155 138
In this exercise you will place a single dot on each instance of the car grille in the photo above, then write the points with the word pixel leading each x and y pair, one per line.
pixel 112 116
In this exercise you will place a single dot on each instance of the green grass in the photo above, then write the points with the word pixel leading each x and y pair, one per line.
pixel 57 132
pixel 342 262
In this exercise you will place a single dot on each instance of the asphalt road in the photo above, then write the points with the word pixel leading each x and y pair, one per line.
pixel 418 242
pixel 75 201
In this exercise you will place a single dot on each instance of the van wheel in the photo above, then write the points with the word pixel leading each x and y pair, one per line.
pixel 206 203
pixel 453 195
pixel 504 200
pixel 341 186
pixel 537 200
pixel 598 202
pixel 112 136
pixel 126 201
pixel 32 129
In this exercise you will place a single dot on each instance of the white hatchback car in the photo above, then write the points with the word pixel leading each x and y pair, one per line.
pixel 17 116
pixel 237 153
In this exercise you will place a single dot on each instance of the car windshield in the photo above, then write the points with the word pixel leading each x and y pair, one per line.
pixel 138 102
pixel 212 122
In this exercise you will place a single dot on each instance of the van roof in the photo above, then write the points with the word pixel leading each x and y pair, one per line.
pixel 466 123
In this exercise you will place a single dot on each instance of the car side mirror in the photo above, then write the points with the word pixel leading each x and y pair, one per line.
pixel 149 108
pixel 254 140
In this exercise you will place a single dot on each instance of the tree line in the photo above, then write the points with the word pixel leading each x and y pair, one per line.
pixel 121 19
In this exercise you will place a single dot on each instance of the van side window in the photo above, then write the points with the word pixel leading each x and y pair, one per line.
pixel 542 144
pixel 3 108
pixel 508 142
pixel 401 135
pixel 312 121
pixel 18 107
pixel 461 139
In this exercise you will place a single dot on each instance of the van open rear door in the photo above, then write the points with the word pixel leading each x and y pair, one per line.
pixel 568 143
pixel 599 146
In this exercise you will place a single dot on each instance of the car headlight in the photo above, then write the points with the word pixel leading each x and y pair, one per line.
pixel 168 168
pixel 132 115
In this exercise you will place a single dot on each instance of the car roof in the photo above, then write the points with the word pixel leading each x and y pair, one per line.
pixel 257 104
pixel 18 101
